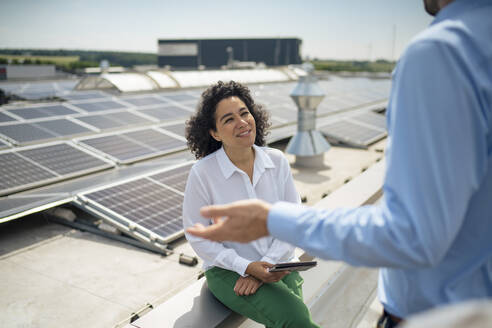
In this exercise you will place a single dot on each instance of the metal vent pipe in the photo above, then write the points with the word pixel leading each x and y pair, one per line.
pixel 308 144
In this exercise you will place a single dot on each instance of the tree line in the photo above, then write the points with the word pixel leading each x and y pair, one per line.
pixel 87 58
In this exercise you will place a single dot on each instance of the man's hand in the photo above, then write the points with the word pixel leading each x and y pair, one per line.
pixel 259 270
pixel 245 221
pixel 247 286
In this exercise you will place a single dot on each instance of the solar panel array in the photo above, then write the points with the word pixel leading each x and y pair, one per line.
pixel 3 144
pixel 23 168
pixel 134 146
pixel 166 113
pixel 372 119
pixel 178 128
pixel 42 111
pixel 37 90
pixel 33 124
pixel 6 118
pixel 130 128
pixel 18 173
pixel 175 178
pixel 95 112
pixel 149 206
pixel 360 130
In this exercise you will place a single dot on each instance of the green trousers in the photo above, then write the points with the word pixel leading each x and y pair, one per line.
pixel 277 304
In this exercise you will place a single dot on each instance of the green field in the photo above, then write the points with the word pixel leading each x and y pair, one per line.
pixel 354 66
pixel 57 60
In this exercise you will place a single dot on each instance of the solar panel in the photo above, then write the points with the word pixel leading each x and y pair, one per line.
pixel 284 112
pixel 281 133
pixel 6 118
pixel 352 133
pixel 265 99
pixel 175 178
pixel 126 118
pixel 64 159
pixel 182 97
pixel 331 104
pixel 18 173
pixel 276 121
pixel 144 101
pixel 113 120
pixel 84 96
pixel 25 168
pixel 346 101
pixel 62 127
pixel 25 132
pixel 15 206
pixel 12 205
pixel 99 106
pixel 178 129
pixel 143 207
pixel 102 122
pixel 120 148
pixel 33 95
pixel 43 111
pixel 3 144
pixel 376 120
pixel 166 113
pixel 156 140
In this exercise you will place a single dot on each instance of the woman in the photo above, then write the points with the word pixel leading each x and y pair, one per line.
pixel 226 134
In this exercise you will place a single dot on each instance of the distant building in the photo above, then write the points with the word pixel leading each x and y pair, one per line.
pixel 215 53
pixel 8 72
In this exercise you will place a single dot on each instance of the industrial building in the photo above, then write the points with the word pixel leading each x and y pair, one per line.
pixel 9 72
pixel 214 53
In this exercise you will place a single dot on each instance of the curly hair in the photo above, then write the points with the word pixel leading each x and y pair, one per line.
pixel 198 126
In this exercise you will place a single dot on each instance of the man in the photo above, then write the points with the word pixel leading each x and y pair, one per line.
pixel 432 233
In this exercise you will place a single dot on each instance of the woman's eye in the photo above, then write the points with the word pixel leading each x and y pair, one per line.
pixel 244 113
pixel 228 120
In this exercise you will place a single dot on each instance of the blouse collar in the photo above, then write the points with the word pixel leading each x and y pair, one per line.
pixel 262 162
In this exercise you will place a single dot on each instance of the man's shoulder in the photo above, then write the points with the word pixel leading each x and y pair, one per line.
pixel 463 32
pixel 435 35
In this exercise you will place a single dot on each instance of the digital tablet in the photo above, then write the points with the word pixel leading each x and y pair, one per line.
pixel 293 266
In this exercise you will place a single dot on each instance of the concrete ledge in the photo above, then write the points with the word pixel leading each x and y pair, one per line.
pixel 195 306
pixel 364 189
pixel 323 287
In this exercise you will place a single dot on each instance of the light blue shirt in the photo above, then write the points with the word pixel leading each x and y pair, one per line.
pixel 432 233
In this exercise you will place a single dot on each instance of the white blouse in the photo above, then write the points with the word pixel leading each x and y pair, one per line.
pixel 215 180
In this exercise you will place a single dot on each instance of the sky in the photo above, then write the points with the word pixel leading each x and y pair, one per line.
pixel 329 29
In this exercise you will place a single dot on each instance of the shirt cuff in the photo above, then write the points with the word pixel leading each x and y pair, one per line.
pixel 282 221
pixel 240 265
pixel 268 259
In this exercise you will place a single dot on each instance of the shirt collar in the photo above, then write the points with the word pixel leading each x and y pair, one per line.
pixel 456 8
pixel 262 162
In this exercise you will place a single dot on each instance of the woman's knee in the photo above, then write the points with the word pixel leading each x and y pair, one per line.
pixel 295 314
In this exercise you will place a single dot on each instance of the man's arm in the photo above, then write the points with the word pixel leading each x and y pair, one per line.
pixel 247 221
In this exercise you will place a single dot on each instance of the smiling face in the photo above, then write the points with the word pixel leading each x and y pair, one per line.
pixel 235 126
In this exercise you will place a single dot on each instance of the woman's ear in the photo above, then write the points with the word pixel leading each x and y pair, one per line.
pixel 214 135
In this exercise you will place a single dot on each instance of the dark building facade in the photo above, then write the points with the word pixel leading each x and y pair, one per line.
pixel 214 53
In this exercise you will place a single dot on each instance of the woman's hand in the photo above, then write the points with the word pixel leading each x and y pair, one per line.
pixel 259 270
pixel 247 286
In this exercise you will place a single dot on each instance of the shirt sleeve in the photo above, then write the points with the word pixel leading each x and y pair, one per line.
pixel 435 162
pixel 215 253
pixel 281 251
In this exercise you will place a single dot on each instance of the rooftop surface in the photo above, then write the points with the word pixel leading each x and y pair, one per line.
pixel 54 276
